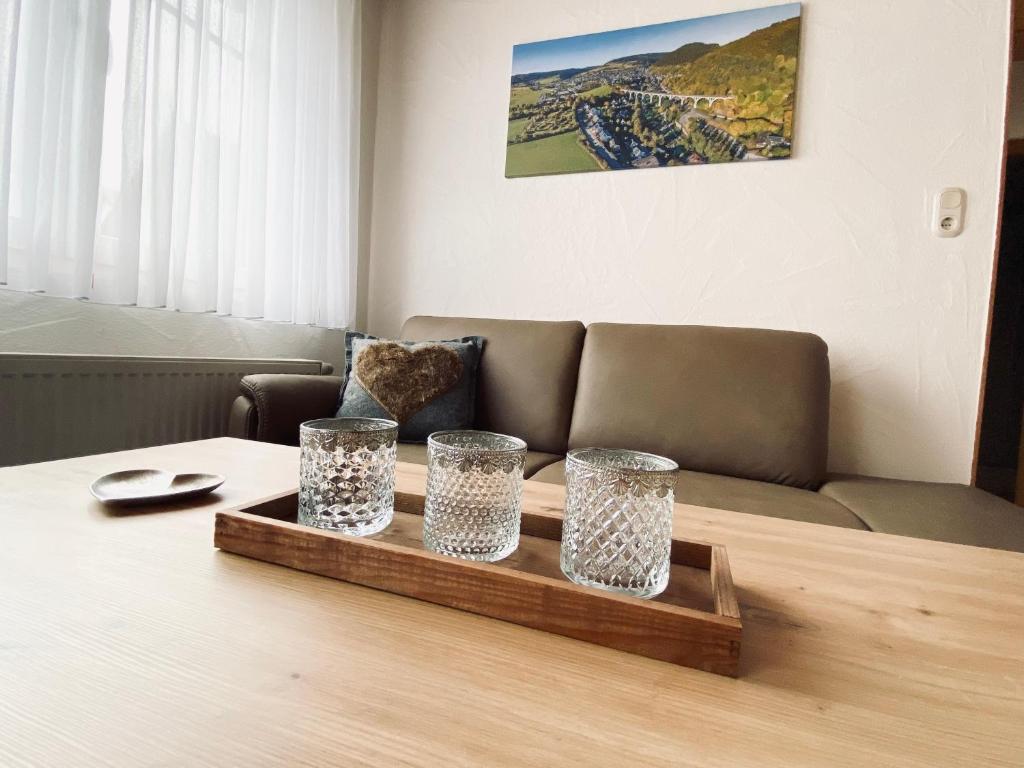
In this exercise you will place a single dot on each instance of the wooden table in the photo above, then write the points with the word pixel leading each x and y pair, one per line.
pixel 128 640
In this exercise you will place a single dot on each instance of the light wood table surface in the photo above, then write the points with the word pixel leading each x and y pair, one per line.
pixel 126 639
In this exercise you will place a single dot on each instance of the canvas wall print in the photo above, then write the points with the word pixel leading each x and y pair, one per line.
pixel 716 89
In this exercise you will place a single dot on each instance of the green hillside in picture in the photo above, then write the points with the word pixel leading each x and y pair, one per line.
pixel 684 54
pixel 759 70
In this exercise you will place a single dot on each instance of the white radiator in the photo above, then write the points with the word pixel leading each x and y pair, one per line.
pixel 58 406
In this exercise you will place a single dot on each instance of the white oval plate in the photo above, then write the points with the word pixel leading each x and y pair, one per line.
pixel 150 486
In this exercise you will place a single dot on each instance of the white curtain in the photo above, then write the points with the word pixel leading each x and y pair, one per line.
pixel 199 155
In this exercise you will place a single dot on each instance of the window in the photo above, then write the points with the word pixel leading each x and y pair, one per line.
pixel 197 155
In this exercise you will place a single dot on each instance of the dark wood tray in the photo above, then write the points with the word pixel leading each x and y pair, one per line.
pixel 695 622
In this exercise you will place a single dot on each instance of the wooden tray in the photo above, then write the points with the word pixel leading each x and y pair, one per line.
pixel 695 622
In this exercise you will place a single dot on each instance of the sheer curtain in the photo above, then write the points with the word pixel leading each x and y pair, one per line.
pixel 199 155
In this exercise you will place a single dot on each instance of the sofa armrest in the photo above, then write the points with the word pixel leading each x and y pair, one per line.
pixel 277 403
pixel 242 419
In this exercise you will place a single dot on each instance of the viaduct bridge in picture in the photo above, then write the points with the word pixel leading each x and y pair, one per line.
pixel 682 98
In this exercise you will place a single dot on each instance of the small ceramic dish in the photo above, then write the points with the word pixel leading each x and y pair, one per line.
pixel 151 486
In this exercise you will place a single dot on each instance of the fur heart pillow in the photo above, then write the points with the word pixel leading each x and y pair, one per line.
pixel 425 386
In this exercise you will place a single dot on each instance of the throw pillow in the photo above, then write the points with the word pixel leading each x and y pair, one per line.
pixel 425 386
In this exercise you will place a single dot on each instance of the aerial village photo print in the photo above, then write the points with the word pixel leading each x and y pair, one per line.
pixel 715 89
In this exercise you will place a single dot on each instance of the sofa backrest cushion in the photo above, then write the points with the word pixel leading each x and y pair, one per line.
pixel 730 401
pixel 527 376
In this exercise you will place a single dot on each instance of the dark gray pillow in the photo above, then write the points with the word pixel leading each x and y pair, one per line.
pixel 425 386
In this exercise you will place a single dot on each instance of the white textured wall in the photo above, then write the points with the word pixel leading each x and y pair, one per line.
pixel 895 101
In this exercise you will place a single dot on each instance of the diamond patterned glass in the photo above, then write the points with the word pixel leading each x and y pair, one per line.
pixel 347 474
pixel 474 492
pixel 617 531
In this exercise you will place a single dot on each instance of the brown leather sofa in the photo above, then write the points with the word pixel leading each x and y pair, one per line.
pixel 743 411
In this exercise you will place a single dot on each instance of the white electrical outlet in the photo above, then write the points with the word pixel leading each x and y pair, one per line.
pixel 948 216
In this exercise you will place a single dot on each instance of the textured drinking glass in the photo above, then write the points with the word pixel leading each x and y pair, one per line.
pixel 617 531
pixel 474 491
pixel 347 474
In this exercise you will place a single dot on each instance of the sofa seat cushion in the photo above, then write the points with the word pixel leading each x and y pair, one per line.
pixel 939 511
pixel 416 453
pixel 738 495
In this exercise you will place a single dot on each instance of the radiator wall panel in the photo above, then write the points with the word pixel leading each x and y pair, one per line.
pixel 58 406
